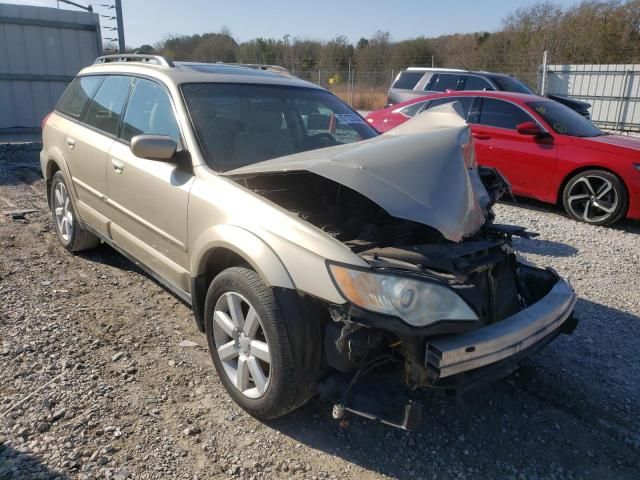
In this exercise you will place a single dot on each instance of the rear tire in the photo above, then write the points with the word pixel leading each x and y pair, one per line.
pixel 254 349
pixel 73 237
pixel 596 197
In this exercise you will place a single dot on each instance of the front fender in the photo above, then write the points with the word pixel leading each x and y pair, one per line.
pixel 245 244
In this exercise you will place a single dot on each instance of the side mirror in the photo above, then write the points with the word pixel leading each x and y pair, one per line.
pixel 529 128
pixel 154 147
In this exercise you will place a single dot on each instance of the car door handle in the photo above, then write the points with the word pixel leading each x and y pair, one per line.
pixel 481 136
pixel 117 165
pixel 71 142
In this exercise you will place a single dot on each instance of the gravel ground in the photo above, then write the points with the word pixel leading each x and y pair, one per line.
pixel 94 382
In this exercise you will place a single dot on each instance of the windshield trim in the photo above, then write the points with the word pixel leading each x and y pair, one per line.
pixel 496 79
pixel 530 106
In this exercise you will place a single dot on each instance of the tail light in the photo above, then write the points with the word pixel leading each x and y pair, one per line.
pixel 44 120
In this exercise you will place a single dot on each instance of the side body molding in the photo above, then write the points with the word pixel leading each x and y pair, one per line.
pixel 244 243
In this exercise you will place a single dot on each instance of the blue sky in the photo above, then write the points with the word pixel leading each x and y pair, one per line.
pixel 147 21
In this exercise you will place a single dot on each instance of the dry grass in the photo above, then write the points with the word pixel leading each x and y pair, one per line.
pixel 364 98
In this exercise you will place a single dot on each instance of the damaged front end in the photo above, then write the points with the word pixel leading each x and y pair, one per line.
pixel 444 301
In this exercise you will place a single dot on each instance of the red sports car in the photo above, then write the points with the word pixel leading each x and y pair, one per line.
pixel 546 150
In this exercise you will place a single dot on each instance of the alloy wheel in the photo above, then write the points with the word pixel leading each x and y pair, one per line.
pixel 593 198
pixel 241 344
pixel 62 212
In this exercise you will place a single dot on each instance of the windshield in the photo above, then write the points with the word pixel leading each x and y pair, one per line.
pixel 510 84
pixel 240 124
pixel 564 120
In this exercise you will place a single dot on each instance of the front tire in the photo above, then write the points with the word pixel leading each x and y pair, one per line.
pixel 597 197
pixel 254 348
pixel 73 237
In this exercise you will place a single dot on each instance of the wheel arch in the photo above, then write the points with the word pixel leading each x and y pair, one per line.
pixel 55 162
pixel 50 170
pixel 583 168
pixel 224 246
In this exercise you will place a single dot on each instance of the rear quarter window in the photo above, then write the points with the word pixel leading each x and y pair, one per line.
pixel 408 80
pixel 78 95
pixel 412 110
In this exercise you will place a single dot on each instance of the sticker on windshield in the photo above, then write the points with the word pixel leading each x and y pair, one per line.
pixel 348 118
pixel 560 127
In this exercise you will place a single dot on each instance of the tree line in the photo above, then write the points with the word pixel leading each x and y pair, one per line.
pixel 590 32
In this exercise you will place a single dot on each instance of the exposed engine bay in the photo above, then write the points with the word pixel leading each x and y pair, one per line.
pixel 339 211
pixel 424 221
pixel 482 263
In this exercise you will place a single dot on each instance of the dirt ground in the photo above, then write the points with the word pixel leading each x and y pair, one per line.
pixel 94 382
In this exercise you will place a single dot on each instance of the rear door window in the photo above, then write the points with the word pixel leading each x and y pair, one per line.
pixel 78 95
pixel 407 80
pixel 501 114
pixel 149 112
pixel 443 82
pixel 106 108
pixel 464 102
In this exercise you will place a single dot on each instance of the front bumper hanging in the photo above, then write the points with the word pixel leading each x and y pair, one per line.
pixel 488 345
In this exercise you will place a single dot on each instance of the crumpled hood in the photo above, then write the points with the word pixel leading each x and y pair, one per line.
pixel 416 171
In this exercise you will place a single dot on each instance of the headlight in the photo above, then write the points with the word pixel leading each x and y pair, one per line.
pixel 417 302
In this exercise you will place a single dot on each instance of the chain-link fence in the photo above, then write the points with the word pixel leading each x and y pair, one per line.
pixel 612 90
pixel 365 88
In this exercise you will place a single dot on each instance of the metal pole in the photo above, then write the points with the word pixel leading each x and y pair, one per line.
pixel 121 45
pixel 432 61
pixel 620 108
pixel 353 85
pixel 349 83
pixel 543 80
pixel 318 76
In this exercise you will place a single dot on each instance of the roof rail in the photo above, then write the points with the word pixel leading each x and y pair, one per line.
pixel 135 57
pixel 435 69
pixel 260 66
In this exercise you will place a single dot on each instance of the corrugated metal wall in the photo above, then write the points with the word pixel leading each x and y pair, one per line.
pixel 41 49
pixel 612 90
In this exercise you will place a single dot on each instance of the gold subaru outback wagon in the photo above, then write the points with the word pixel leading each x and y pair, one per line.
pixel 313 250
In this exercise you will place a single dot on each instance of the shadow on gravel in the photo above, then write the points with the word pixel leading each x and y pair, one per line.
pixel 625 225
pixel 571 411
pixel 106 255
pixel 547 248
pixel 15 465
pixel 19 164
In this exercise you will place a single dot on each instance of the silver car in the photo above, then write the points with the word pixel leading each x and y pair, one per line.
pixel 416 82
pixel 312 250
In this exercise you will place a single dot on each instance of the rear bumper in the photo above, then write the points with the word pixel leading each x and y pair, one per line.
pixel 536 324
